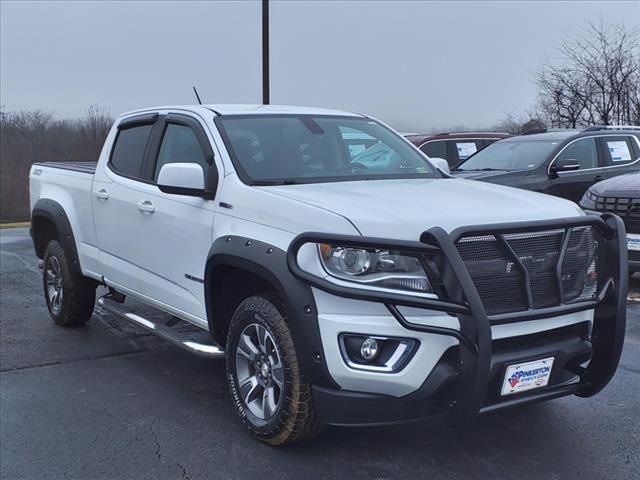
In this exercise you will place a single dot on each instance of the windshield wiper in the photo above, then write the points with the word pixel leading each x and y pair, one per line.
pixel 270 183
pixel 480 170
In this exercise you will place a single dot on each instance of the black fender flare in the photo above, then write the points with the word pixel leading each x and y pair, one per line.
pixel 270 263
pixel 53 211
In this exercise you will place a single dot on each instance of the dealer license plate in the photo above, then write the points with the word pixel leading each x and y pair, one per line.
pixel 633 241
pixel 527 376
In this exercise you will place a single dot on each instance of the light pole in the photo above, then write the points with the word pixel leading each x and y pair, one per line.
pixel 265 52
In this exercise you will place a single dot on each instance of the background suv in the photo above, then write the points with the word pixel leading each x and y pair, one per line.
pixel 620 195
pixel 564 163
pixel 454 147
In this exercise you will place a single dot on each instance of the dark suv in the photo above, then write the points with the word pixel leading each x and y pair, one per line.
pixel 454 147
pixel 564 163
pixel 620 195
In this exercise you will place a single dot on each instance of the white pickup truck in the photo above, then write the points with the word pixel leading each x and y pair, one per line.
pixel 345 277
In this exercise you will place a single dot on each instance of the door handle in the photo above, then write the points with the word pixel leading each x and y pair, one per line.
pixel 598 178
pixel 146 207
pixel 102 194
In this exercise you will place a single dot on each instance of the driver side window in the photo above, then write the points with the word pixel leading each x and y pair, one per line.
pixel 584 151
pixel 179 145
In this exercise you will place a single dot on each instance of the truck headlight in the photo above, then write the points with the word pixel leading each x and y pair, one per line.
pixel 387 269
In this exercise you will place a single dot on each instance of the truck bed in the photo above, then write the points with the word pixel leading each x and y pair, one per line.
pixel 82 167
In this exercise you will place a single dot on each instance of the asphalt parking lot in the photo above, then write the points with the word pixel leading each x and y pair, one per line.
pixel 108 401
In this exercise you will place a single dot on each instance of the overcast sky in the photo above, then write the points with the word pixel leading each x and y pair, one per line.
pixel 416 65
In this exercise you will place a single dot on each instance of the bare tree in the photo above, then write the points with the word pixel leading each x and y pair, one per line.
pixel 27 137
pixel 94 128
pixel 597 79
pixel 530 121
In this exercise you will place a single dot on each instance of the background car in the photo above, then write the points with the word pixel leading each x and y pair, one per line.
pixel 454 147
pixel 620 195
pixel 564 163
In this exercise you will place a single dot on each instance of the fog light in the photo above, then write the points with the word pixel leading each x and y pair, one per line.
pixel 369 349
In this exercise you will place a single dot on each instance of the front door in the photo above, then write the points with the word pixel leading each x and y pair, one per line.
pixel 178 228
pixel 573 184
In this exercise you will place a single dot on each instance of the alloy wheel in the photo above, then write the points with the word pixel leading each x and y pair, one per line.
pixel 259 371
pixel 55 291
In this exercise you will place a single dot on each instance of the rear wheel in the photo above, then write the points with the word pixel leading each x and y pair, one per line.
pixel 70 296
pixel 269 392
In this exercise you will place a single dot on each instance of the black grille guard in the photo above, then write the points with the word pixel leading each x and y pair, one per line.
pixel 474 335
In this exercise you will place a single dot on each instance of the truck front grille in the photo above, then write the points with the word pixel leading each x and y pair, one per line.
pixel 519 271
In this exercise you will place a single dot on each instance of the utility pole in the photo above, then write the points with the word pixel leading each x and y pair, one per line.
pixel 265 52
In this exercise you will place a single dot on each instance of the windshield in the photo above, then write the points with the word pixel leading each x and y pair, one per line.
pixel 282 149
pixel 509 155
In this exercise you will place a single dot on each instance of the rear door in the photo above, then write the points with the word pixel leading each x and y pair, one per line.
pixel 573 184
pixel 621 154
pixel 116 192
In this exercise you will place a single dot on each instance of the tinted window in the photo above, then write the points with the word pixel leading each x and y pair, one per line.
pixel 435 149
pixel 179 145
pixel 584 151
pixel 618 150
pixel 296 149
pixel 128 151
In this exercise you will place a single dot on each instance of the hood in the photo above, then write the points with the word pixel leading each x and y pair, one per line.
pixel 403 209
pixel 623 185
pixel 491 176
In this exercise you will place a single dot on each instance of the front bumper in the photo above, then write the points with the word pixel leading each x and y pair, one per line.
pixel 570 346
pixel 466 379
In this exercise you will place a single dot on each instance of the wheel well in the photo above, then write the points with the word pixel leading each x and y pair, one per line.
pixel 43 230
pixel 228 287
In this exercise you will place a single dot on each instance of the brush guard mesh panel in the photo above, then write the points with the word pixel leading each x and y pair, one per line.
pixel 530 270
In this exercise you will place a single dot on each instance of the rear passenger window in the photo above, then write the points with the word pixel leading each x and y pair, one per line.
pixel 435 149
pixel 179 145
pixel 128 152
pixel 618 150
pixel 466 148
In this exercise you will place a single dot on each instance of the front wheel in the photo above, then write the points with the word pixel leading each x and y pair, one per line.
pixel 70 296
pixel 269 393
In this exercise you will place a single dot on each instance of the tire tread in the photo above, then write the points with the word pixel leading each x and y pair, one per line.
pixel 300 422
pixel 79 292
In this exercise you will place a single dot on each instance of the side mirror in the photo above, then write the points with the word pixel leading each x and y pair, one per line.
pixel 564 165
pixel 441 163
pixel 182 179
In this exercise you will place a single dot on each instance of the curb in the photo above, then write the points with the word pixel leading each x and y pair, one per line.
pixel 15 225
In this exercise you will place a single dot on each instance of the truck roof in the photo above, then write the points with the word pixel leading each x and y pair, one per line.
pixel 252 109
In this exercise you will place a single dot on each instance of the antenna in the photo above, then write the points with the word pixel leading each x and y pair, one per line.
pixel 197 96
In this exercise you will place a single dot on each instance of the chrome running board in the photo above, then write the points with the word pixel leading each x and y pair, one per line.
pixel 182 340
